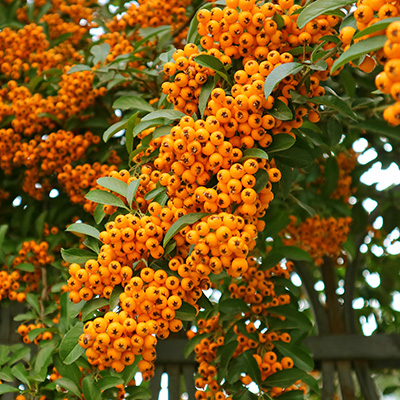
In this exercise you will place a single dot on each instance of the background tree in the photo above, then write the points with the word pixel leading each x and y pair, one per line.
pixel 173 165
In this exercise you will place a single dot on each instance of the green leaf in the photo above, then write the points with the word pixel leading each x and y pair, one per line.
pixel 304 206
pixel 191 344
pixel 331 176
pixel 114 298
pixel 226 354
pixel 143 125
pixel 115 128
pixel 69 385
pixel 292 314
pixel 4 351
pixel 186 313
pixel 19 371
pixel 3 230
pixel 278 73
pixel 109 382
pixel 131 192
pixel 281 111
pixel 233 306
pixel 113 184
pixel 129 132
pixel 280 142
pixel 103 197
pixel 72 370
pixel 284 378
pixel 254 153
pixel 301 358
pixel 262 179
pixel 153 193
pixel 34 333
pixel 335 131
pixel 358 50
pixel 25 267
pixel 319 7
pixel 161 131
pixel 98 214
pixel 295 157
pixel 295 253
pixel 4 388
pixel 43 359
pixel 181 223
pixel 85 229
pixel 336 103
pixel 70 350
pixel 77 255
pixel 132 102
pixel 91 306
pixel 213 63
pixel 252 368
pixel 19 355
pixel 292 395
pixel 6 374
pixel 167 114
pixel 100 52
pixel 90 388
pixel 39 223
pixel 380 127
pixel 377 26
pixel 138 393
pixel 205 93
pixel 61 38
pixel 79 68
pixel 32 300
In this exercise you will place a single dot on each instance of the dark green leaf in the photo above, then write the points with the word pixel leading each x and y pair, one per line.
pixel 319 7
pixel 295 157
pixel 331 176
pixel 233 306
pixel 182 222
pixel 113 184
pixel 358 50
pixel 262 179
pixel 292 395
pixel 278 73
pixel 226 354
pixel 336 103
pixel 103 197
pixel 61 38
pixel 186 313
pixel 281 111
pixel 292 314
pixel 129 132
pixel 254 153
pixel 34 333
pixel 335 131
pixel 380 127
pixel 252 368
pixel 280 142
pixel 85 229
pixel 213 63
pixel 161 131
pixel 138 393
pixel 295 253
pixel 115 128
pixel 301 358
pixel 205 93
pixel 304 206
pixel 39 223
pixel 284 378
pixel 77 255
pixel 70 350
pixel 6 374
